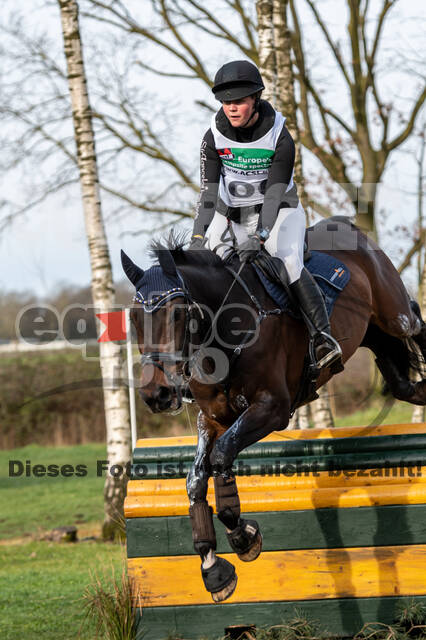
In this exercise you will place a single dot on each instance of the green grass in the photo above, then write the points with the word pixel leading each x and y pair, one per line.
pixel 381 411
pixel 42 584
pixel 31 505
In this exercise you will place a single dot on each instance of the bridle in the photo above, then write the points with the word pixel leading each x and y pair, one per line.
pixel 160 359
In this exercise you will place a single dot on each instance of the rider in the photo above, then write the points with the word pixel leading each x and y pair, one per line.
pixel 248 195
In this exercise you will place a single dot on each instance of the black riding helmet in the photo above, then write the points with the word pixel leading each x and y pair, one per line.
pixel 237 79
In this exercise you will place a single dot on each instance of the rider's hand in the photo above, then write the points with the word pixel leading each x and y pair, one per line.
pixel 197 242
pixel 248 250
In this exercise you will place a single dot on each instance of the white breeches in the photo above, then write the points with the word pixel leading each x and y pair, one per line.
pixel 286 239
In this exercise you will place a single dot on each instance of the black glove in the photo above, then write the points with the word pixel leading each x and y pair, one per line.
pixel 248 250
pixel 197 242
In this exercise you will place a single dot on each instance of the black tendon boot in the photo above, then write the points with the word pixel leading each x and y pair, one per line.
pixel 326 349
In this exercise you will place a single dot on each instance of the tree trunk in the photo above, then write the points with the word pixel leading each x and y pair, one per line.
pixel 267 60
pixel 285 96
pixel 276 68
pixel 286 103
pixel 321 410
pixel 419 413
pixel 300 419
pixel 115 394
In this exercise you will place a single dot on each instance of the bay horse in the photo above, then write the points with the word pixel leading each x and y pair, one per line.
pixel 243 361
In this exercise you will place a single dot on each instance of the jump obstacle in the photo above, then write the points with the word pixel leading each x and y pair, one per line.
pixel 343 518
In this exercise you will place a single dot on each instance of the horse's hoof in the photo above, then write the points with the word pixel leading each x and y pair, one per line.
pixel 246 540
pixel 224 594
pixel 254 550
pixel 220 579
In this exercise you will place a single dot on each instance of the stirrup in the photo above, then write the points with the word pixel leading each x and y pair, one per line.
pixel 330 358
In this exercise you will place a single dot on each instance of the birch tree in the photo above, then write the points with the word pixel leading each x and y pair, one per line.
pixel 115 396
pixel 276 67
pixel 419 413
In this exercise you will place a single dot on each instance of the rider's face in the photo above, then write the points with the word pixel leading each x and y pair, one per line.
pixel 239 112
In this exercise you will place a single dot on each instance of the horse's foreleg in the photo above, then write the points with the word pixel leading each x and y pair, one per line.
pixel 218 574
pixel 243 535
pixel 256 422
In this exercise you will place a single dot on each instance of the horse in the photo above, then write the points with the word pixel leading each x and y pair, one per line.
pixel 243 360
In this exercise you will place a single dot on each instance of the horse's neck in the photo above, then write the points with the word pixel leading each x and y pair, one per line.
pixel 208 286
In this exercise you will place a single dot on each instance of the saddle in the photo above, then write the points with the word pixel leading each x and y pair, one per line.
pixel 274 270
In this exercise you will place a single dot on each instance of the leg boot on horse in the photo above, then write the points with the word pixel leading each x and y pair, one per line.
pixel 243 535
pixel 262 417
pixel 218 574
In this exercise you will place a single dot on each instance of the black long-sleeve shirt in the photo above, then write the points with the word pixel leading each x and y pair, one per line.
pixel 279 173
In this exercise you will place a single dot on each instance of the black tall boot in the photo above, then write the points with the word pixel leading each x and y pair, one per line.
pixel 327 350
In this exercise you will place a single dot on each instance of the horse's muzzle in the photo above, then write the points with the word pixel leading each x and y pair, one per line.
pixel 160 399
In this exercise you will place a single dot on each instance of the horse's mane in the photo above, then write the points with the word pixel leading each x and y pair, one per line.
pixel 175 242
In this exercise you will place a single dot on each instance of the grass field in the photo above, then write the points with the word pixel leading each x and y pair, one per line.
pixel 32 504
pixel 42 583
pixel 380 411
pixel 41 588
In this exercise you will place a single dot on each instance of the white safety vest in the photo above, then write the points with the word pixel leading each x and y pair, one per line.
pixel 245 165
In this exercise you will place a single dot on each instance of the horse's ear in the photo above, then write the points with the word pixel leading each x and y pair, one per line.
pixel 132 271
pixel 167 263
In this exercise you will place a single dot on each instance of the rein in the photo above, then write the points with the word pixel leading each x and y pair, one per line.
pixel 261 312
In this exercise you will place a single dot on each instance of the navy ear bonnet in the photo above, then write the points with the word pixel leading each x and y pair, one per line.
pixel 155 288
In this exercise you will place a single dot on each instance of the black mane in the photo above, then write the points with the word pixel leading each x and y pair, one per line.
pixel 175 243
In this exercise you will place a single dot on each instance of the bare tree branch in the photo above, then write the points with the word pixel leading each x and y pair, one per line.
pixel 222 32
pixel 332 46
pixel 320 208
pixel 131 26
pixel 163 227
pixel 18 211
pixel 333 163
pixel 197 64
pixel 387 4
pixel 248 25
pixel 398 140
pixel 166 74
pixel 144 206
pixel 417 246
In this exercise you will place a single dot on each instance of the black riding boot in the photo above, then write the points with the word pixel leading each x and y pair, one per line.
pixel 327 350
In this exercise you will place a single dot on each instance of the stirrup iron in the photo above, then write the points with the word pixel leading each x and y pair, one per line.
pixel 330 358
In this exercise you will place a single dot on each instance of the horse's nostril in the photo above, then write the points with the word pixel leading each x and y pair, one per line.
pixel 159 400
pixel 164 398
pixel 164 393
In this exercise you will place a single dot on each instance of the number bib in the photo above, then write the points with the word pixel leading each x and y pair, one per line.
pixel 245 165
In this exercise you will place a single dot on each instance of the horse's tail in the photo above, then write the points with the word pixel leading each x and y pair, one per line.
pixel 416 345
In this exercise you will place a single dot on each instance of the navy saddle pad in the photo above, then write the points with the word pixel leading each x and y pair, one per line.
pixel 331 274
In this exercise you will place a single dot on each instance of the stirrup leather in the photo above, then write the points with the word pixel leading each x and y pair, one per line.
pixel 330 358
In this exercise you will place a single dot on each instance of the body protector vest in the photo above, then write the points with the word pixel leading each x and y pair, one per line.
pixel 245 165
